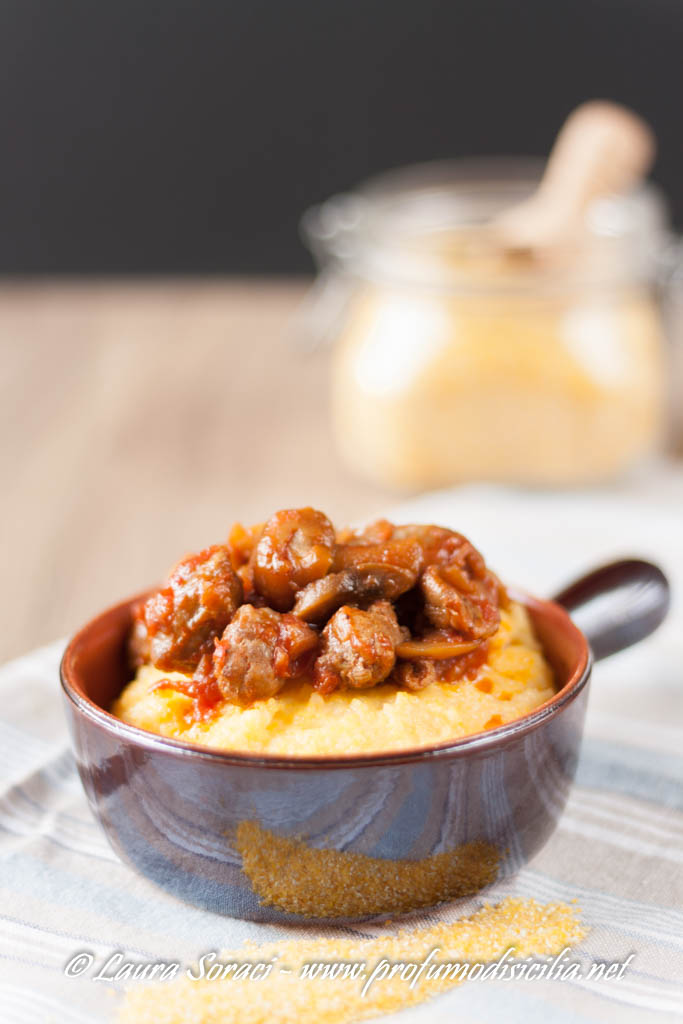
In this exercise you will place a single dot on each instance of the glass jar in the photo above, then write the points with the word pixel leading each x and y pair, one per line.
pixel 454 361
pixel 673 293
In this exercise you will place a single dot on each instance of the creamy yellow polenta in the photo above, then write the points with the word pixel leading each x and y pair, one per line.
pixel 514 680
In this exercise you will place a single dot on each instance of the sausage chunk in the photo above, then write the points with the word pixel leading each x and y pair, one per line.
pixel 430 538
pixel 422 672
pixel 416 675
pixel 259 650
pixel 181 620
pixel 459 592
pixel 296 547
pixel 358 648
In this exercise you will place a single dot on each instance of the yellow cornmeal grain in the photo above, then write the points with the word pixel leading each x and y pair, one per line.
pixel 287 874
pixel 524 926
pixel 514 680
pixel 543 386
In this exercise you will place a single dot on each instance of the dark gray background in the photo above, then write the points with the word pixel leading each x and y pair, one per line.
pixel 142 136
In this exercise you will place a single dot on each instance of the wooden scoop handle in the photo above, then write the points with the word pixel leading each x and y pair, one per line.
pixel 602 148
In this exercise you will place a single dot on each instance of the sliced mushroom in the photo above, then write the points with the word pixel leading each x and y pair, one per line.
pixel 436 648
pixel 405 553
pixel 418 672
pixel 320 599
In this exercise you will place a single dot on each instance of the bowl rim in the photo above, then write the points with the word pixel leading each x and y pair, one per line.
pixel 473 743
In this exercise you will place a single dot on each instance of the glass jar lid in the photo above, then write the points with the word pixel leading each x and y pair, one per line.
pixel 428 226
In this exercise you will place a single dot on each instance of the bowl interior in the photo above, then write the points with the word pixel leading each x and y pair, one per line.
pixel 96 663
pixel 564 645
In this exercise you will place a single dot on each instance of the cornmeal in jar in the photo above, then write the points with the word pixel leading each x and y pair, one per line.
pixel 431 388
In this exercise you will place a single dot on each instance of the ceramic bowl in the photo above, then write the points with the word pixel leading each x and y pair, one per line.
pixel 275 838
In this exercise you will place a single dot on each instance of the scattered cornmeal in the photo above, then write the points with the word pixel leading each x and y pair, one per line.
pixel 527 927
pixel 286 873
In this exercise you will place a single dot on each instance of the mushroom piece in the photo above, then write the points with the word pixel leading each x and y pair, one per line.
pixel 405 553
pixel 419 672
pixel 437 646
pixel 320 599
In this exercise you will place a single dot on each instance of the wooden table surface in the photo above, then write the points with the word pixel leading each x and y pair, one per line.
pixel 139 420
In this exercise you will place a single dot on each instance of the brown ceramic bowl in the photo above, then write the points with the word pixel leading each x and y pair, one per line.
pixel 272 838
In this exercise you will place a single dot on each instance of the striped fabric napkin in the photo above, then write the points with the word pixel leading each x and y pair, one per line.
pixel 618 849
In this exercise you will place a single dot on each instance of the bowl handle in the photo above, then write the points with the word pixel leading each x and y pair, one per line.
pixel 622 603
